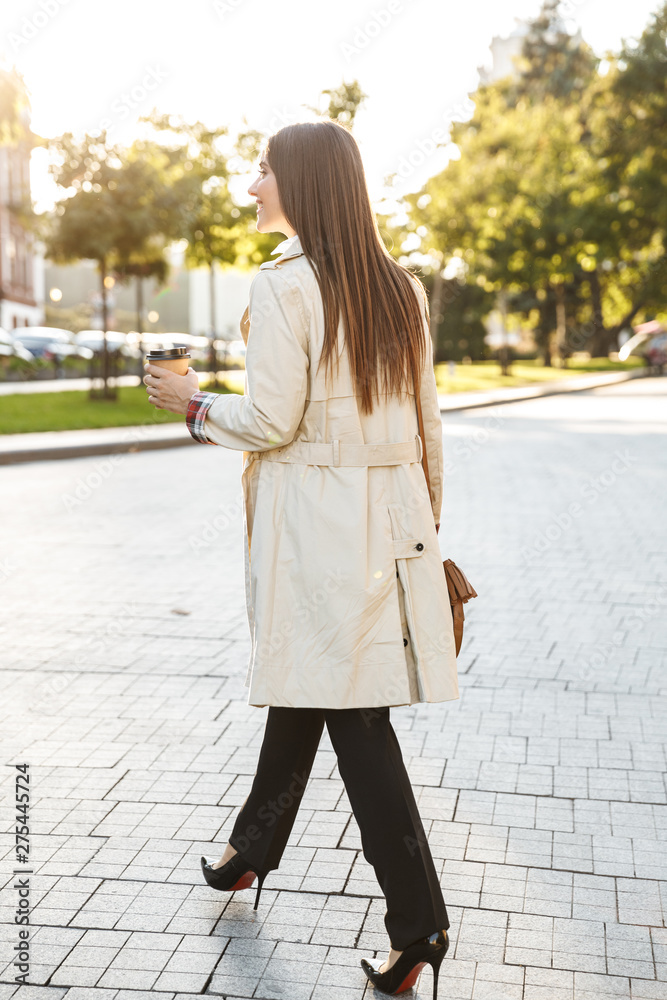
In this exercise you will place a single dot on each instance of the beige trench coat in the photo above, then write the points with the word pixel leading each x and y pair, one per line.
pixel 345 591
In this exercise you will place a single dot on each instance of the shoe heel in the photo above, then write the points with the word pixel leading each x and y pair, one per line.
pixel 435 964
pixel 260 883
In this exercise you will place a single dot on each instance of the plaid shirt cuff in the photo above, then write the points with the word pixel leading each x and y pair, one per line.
pixel 195 417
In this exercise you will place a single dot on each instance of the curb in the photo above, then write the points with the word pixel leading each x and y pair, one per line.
pixel 50 445
pixel 579 383
pixel 47 453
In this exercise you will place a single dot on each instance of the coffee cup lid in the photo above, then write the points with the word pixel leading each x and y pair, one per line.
pixel 168 354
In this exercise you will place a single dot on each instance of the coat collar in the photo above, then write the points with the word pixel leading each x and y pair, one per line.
pixel 290 247
pixel 287 249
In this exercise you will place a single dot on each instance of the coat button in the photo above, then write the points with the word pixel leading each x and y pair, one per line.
pixel 419 546
pixel 405 642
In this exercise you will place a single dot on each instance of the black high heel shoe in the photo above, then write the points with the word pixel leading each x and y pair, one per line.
pixel 236 874
pixel 408 965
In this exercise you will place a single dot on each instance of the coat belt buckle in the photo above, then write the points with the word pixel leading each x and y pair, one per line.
pixel 420 448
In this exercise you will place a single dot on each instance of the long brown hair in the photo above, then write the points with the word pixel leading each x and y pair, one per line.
pixel 324 197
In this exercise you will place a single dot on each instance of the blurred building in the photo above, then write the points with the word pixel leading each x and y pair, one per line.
pixel 503 53
pixel 21 264
pixel 505 50
pixel 181 305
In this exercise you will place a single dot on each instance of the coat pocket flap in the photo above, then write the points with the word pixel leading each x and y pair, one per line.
pixel 407 548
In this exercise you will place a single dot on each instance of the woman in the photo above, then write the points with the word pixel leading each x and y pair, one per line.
pixel 346 596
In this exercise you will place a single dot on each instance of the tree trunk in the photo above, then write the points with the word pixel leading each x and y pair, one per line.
pixel 504 350
pixel 105 323
pixel 561 324
pixel 436 307
pixel 212 353
pixel 140 323
pixel 106 391
pixel 600 338
pixel 545 335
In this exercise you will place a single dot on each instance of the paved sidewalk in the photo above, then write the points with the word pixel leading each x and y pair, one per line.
pixel 124 649
pixel 58 385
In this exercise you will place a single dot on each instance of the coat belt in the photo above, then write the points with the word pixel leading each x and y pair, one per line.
pixel 338 453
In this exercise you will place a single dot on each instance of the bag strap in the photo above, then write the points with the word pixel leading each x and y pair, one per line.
pixel 459 586
pixel 420 421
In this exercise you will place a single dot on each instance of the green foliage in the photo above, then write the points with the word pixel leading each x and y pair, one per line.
pixel 109 214
pixel 558 196
pixel 126 205
pixel 636 117
pixel 14 107
pixel 344 103
pixel 553 62
pixel 458 309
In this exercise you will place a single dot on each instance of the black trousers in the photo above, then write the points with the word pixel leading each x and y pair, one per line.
pixel 373 771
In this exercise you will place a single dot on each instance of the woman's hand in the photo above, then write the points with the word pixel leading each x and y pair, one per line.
pixel 169 391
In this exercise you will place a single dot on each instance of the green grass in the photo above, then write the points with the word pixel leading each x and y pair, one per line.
pixel 486 374
pixel 64 411
pixel 59 411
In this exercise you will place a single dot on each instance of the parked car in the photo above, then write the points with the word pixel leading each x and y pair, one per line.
pixel 200 348
pixel 197 346
pixel 233 353
pixel 57 351
pixel 649 342
pixel 655 353
pixel 50 344
pixel 12 348
pixel 116 341
pixel 164 340
pixel 38 339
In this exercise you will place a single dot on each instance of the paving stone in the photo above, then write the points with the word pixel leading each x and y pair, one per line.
pixel 90 993
pixel 596 987
pixel 548 984
pixel 642 989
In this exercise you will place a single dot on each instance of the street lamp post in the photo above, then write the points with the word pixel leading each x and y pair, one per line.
pixel 504 349
pixel 140 324
pixel 213 354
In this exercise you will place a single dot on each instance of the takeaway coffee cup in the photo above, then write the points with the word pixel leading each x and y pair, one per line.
pixel 176 359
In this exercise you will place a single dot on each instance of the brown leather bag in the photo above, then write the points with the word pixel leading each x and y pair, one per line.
pixel 459 587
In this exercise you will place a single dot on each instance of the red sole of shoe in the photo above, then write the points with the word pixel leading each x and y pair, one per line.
pixel 411 978
pixel 244 882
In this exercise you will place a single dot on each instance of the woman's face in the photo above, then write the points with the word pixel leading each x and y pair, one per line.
pixel 264 188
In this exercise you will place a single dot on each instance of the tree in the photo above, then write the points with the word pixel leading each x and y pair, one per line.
pixel 120 211
pixel 344 103
pixel 458 328
pixel 503 208
pixel 86 224
pixel 547 205
pixel 215 227
pixel 633 108
pixel 553 62
pixel 150 203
